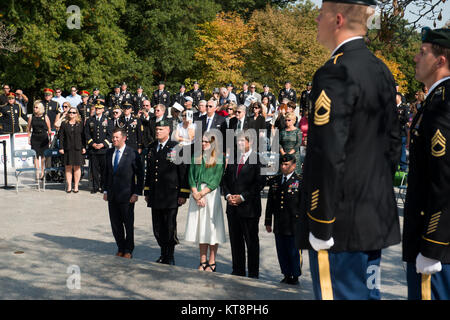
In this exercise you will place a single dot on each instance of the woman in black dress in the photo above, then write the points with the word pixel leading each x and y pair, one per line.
pixel 71 145
pixel 39 133
pixel 258 122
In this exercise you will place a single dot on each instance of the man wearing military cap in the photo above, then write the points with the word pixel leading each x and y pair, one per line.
pixel 166 188
pixel 125 94
pixel 242 96
pixel 138 99
pixel 9 115
pixel 348 207
pixel 180 97
pixel 266 93
pixel 287 93
pixel 305 99
pixel 115 98
pixel 196 93
pixel 51 107
pixel 84 108
pixel 426 231
pixel 98 132
pixel 283 203
pixel 161 96
pixel 132 126
pixel 96 96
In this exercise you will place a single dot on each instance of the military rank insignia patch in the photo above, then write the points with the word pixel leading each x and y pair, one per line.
pixel 322 109
pixel 314 200
pixel 438 144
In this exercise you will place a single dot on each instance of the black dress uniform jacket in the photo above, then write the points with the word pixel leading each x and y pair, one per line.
pixel 427 208
pixel 196 96
pixel 98 132
pixel 283 203
pixel 291 95
pixel 51 109
pixel 353 149
pixel 9 118
pixel 138 101
pixel 271 96
pixel 85 111
pixel 134 130
pixel 180 98
pixel 165 181
pixel 306 101
pixel 161 98
pixel 242 96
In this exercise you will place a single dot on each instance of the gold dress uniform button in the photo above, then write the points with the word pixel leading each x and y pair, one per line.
pixel 422 213
pixel 156 180
pixel 281 207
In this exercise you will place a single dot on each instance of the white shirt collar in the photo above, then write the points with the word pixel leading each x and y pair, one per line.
pixel 122 149
pixel 344 42
pixel 163 143
pixel 289 175
pixel 436 84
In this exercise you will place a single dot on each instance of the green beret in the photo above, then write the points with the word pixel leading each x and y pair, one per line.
pixel 361 2
pixel 288 157
pixel 163 123
pixel 440 37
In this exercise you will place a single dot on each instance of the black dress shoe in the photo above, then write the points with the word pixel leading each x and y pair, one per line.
pixel 293 281
pixel 285 279
pixel 160 259
pixel 93 191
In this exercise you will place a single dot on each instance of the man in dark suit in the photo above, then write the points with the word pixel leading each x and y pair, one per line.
pixel 349 212
pixel 166 188
pixel 123 181
pixel 212 120
pixel 283 204
pixel 237 124
pixel 242 184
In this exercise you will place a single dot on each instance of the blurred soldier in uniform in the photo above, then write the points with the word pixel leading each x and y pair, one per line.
pixel 266 93
pixel 132 126
pixel 166 188
pixel 116 114
pixel 242 96
pixel 9 115
pixel 196 93
pixel 180 97
pixel 348 207
pixel 283 203
pixel 51 107
pixel 84 108
pixel 426 231
pixel 305 99
pixel 403 118
pixel 126 95
pixel 161 96
pixel 96 96
pixel 98 132
pixel 114 98
pixel 145 116
pixel 138 99
pixel 287 93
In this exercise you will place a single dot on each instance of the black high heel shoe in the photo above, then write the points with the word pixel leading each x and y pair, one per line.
pixel 204 265
pixel 212 267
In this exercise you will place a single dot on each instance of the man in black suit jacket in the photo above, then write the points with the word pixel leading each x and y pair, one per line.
pixel 212 120
pixel 166 188
pixel 242 186
pixel 237 124
pixel 123 181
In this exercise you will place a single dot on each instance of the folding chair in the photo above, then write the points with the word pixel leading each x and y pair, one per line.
pixel 56 170
pixel 25 155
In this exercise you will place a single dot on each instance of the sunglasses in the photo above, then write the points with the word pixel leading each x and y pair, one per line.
pixel 229 108
pixel 210 106
pixel 205 141
pixel 71 112
pixel 11 98
pixel 238 111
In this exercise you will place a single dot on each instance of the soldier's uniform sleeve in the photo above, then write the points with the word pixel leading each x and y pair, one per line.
pixel 183 177
pixel 294 97
pixel 436 229
pixel 270 204
pixel 109 131
pixel 327 136
pixel 139 173
pixel 140 134
pixel 87 133
pixel 147 174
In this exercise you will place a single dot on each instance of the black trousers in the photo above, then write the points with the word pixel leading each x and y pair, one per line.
pixel 121 216
pixel 97 166
pixel 244 232
pixel 165 228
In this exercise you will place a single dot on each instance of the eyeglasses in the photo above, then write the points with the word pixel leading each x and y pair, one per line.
pixel 11 98
pixel 146 105
pixel 6 88
pixel 115 112
pixel 71 112
pixel 238 111
pixel 205 141
pixel 209 106
pixel 288 120
pixel 229 108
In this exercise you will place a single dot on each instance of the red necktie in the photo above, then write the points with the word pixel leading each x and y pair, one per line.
pixel 241 164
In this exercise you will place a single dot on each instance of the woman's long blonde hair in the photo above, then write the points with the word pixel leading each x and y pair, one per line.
pixel 77 118
pixel 210 156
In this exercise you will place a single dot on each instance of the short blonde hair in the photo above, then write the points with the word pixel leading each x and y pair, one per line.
pixel 41 109
pixel 291 116
pixel 357 16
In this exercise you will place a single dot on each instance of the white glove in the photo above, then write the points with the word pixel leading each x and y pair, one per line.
pixel 318 244
pixel 426 265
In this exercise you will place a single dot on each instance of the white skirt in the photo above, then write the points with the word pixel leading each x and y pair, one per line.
pixel 206 224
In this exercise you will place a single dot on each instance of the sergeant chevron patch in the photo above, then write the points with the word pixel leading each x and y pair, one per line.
pixel 438 140
pixel 323 105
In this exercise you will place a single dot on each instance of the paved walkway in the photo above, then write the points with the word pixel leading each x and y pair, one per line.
pixel 46 236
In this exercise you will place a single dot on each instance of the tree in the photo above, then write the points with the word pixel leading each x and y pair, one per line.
pixel 7 40
pixel 285 46
pixel 225 43
pixel 245 8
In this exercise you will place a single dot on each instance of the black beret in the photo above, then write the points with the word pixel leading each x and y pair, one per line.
pixel 288 157
pixel 362 2
pixel 440 37
pixel 309 83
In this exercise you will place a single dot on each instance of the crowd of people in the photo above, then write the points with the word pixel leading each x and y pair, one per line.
pixel 336 199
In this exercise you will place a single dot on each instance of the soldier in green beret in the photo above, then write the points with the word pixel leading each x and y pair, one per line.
pixel 426 232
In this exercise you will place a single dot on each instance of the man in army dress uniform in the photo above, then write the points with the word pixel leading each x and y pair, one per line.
pixel 196 93
pixel 266 93
pixel 305 99
pixel 242 96
pixel 166 188
pixel 84 108
pixel 132 126
pixel 288 93
pixel 125 94
pixel 96 96
pixel 348 207
pixel 283 203
pixel 114 99
pixel 9 115
pixel 138 99
pixel 180 97
pixel 51 107
pixel 98 132
pixel 426 231
pixel 161 96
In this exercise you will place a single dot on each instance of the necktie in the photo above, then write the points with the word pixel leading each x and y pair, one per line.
pixel 241 164
pixel 239 125
pixel 207 124
pixel 284 180
pixel 160 146
pixel 116 160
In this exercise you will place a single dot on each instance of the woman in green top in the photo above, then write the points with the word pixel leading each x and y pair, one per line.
pixel 205 221
pixel 291 140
